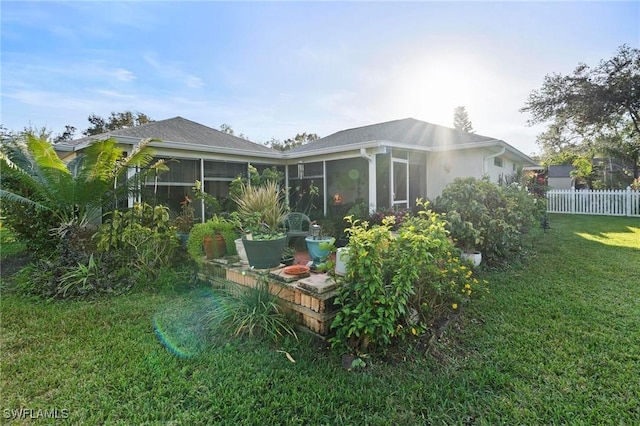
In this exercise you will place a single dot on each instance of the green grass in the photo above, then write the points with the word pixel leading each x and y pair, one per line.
pixel 9 246
pixel 556 341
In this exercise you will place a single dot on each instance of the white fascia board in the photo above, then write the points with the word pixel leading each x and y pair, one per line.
pixel 211 156
pixel 352 147
pixel 486 144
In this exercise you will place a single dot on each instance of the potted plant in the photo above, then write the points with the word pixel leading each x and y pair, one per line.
pixel 288 256
pixel 261 211
pixel 212 238
pixel 185 220
pixel 465 237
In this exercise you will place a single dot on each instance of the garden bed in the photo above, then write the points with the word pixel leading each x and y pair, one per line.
pixel 310 297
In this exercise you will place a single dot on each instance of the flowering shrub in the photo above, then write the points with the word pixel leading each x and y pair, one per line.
pixel 371 309
pixel 400 286
pixel 445 289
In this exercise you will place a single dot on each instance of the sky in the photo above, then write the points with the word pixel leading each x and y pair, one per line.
pixel 275 69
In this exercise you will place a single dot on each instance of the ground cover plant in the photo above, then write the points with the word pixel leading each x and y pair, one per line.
pixel 556 341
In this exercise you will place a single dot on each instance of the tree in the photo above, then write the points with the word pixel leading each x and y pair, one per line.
pixel 299 140
pixel 117 120
pixel 65 136
pixel 226 128
pixel 461 120
pixel 598 107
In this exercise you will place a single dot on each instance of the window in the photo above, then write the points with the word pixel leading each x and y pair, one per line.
pixel 497 161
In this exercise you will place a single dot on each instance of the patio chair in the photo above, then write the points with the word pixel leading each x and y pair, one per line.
pixel 296 225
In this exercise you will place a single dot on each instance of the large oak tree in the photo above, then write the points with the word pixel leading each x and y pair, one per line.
pixel 593 109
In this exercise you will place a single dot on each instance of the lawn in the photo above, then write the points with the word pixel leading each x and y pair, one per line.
pixel 556 341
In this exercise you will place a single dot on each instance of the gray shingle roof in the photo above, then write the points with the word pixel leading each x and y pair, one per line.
pixel 405 131
pixel 179 130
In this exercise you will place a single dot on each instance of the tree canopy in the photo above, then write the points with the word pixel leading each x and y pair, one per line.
pixel 595 109
pixel 298 140
pixel 117 120
pixel 461 120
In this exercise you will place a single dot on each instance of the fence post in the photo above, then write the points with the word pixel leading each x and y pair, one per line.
pixel 627 204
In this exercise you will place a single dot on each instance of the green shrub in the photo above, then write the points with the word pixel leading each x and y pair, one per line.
pixel 141 236
pixel 399 285
pixel 30 225
pixel 371 309
pixel 425 257
pixel 91 275
pixel 496 216
pixel 215 225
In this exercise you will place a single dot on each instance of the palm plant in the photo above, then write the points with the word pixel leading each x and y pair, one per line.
pixel 69 193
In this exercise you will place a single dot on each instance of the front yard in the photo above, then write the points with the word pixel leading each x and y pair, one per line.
pixel 556 341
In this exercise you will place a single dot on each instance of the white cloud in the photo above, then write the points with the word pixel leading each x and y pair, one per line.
pixel 173 71
pixel 122 74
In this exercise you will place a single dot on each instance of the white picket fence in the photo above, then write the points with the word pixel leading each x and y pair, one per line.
pixel 625 202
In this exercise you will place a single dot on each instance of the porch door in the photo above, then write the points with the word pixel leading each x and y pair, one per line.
pixel 399 183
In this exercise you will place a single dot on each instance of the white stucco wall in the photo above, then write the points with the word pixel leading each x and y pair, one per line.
pixel 444 167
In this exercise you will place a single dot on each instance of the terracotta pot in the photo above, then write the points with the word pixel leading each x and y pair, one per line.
pixel 214 247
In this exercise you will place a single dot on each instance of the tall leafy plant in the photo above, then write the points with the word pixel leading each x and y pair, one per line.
pixel 370 308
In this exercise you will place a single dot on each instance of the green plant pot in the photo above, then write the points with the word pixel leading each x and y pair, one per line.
pixel 264 254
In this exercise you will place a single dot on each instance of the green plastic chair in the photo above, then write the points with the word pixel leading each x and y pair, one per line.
pixel 297 225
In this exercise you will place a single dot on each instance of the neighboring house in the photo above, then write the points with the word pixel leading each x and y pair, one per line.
pixel 382 165
pixel 559 176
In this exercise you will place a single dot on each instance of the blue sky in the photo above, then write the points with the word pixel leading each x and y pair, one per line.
pixel 274 69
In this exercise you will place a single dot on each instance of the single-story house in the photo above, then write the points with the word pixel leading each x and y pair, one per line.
pixel 384 165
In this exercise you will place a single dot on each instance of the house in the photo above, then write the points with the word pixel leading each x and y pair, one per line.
pixel 386 165
pixel 559 176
